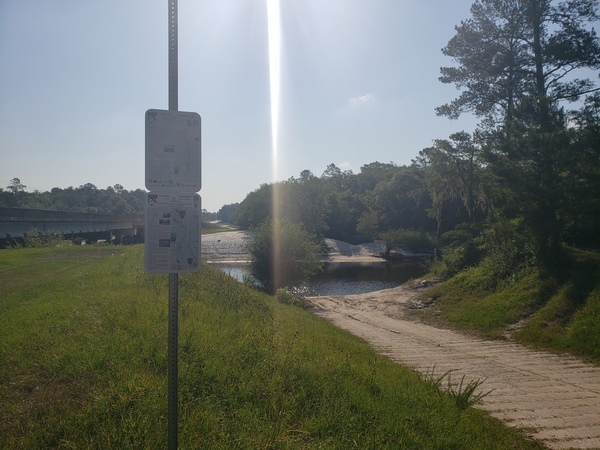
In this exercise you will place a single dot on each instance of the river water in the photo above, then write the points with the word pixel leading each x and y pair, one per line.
pixel 345 278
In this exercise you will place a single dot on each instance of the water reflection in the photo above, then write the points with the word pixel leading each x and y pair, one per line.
pixel 348 278
pixel 237 271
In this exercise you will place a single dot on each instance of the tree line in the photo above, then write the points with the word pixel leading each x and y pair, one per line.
pixel 86 198
pixel 519 188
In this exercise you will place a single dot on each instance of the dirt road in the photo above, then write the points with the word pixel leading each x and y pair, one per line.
pixel 553 399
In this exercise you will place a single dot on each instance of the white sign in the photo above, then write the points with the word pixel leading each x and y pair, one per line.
pixel 172 233
pixel 173 151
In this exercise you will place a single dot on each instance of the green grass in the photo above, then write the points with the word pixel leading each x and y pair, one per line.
pixel 466 303
pixel 557 314
pixel 570 320
pixel 83 346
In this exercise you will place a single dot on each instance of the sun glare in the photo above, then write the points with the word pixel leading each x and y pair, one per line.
pixel 274 33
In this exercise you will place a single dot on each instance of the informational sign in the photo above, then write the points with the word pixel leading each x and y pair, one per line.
pixel 172 233
pixel 173 151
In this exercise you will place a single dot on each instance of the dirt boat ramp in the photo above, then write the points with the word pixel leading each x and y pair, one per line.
pixel 553 399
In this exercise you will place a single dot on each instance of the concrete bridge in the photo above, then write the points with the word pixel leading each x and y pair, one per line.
pixel 17 223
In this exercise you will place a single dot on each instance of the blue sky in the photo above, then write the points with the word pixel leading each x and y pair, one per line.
pixel 358 84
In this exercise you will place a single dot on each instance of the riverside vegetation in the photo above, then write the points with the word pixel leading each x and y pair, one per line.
pixel 560 313
pixel 83 346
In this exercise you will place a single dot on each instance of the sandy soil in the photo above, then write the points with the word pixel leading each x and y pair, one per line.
pixel 228 247
pixel 553 399
pixel 340 251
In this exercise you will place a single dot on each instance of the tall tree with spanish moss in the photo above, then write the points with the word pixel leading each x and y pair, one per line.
pixel 517 62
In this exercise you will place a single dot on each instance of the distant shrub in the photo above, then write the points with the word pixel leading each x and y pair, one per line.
pixel 284 296
pixel 461 248
pixel 509 250
pixel 37 239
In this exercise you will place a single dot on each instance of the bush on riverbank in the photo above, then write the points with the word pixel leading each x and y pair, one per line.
pixel 83 345
pixel 283 254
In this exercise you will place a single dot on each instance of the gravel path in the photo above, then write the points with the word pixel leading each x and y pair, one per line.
pixel 555 400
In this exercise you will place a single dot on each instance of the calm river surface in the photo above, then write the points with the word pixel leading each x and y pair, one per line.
pixel 345 278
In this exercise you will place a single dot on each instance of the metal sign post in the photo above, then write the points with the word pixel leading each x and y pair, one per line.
pixel 173 80
pixel 173 208
pixel 173 277
pixel 172 358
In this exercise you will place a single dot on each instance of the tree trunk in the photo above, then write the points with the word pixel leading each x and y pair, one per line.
pixel 537 10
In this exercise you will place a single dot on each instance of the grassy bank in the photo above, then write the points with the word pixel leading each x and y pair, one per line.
pixel 83 347
pixel 559 314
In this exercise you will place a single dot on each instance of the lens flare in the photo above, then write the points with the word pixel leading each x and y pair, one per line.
pixel 274 20
pixel 274 33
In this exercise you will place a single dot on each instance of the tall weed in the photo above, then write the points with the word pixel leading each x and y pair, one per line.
pixel 464 395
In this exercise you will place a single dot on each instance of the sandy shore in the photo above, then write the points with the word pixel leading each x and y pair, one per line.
pixel 226 247
pixel 229 247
